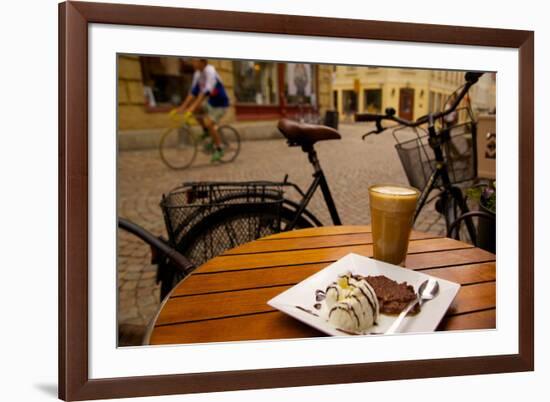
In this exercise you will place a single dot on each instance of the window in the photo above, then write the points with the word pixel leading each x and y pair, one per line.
pixel 166 80
pixel 349 101
pixel 270 90
pixel 300 83
pixel 255 82
pixel 431 102
pixel 373 100
pixel 438 101
pixel 335 100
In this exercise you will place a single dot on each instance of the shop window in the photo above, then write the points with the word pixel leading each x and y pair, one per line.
pixel 349 101
pixel 300 82
pixel 255 82
pixel 166 80
pixel 373 100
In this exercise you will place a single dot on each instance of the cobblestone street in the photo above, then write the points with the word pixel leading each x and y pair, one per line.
pixel 351 165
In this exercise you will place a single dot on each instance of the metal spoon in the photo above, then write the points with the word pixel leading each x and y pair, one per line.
pixel 427 291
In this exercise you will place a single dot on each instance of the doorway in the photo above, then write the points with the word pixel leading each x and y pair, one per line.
pixel 349 102
pixel 406 103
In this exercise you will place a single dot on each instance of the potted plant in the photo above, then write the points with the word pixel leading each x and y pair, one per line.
pixel 486 197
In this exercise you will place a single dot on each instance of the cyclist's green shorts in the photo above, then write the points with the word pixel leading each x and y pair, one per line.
pixel 214 113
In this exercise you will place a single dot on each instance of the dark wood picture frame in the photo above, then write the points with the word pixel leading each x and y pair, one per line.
pixel 74 381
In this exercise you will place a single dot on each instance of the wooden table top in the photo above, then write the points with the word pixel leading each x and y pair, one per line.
pixel 226 298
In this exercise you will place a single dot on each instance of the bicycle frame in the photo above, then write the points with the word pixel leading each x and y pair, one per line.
pixel 319 180
pixel 449 190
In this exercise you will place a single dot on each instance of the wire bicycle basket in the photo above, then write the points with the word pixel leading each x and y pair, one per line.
pixel 203 219
pixel 458 144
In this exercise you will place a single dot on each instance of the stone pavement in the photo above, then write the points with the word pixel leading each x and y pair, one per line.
pixel 350 165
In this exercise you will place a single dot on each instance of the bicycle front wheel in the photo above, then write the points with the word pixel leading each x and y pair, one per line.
pixel 178 148
pixel 231 143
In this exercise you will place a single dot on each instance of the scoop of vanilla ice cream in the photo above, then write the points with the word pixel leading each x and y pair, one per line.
pixel 352 303
pixel 343 316
pixel 331 295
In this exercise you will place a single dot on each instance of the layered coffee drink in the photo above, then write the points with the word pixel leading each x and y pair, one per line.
pixel 392 212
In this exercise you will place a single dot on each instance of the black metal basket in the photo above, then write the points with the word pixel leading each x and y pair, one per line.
pixel 203 219
pixel 459 148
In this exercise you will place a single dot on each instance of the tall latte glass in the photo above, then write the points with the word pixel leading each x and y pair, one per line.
pixel 392 212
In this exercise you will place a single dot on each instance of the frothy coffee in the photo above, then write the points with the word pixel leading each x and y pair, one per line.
pixel 392 214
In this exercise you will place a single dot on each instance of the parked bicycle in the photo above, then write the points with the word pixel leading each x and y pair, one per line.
pixel 438 156
pixel 180 143
pixel 205 218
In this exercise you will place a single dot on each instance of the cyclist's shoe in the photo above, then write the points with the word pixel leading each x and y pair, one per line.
pixel 174 115
pixel 208 147
pixel 217 156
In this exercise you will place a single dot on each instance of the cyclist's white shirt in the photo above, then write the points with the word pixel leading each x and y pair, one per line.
pixel 209 83
pixel 206 79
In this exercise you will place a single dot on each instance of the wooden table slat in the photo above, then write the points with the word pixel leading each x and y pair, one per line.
pixel 479 320
pixel 279 258
pixel 201 307
pixel 465 274
pixel 448 258
pixel 234 280
pixel 247 279
pixel 315 232
pixel 272 325
pixel 301 243
pixel 276 325
pixel 474 297
pixel 334 230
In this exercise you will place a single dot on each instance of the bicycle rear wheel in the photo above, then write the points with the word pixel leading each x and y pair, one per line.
pixel 178 148
pixel 229 227
pixel 231 143
pixel 453 209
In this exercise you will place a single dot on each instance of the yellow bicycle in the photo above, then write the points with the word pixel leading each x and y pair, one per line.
pixel 180 143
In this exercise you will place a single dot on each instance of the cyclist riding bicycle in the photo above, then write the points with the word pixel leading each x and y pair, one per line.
pixel 208 100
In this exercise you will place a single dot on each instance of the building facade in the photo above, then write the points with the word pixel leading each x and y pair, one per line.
pixel 412 93
pixel 149 87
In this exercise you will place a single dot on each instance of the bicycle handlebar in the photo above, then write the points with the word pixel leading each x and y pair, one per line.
pixel 177 117
pixel 470 77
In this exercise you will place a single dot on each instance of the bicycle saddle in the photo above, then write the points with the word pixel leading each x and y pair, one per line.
pixel 302 134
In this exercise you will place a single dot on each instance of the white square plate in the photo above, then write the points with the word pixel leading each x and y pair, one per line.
pixel 303 295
